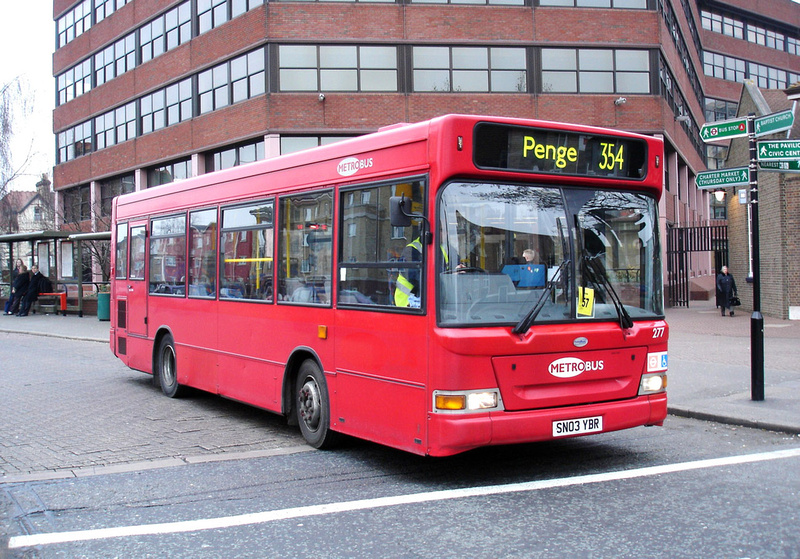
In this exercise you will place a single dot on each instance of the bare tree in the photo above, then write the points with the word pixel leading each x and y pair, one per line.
pixel 15 105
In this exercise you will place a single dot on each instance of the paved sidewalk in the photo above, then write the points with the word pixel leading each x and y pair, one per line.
pixel 709 363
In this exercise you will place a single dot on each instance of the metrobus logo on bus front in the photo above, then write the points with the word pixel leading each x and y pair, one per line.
pixel 352 165
pixel 568 367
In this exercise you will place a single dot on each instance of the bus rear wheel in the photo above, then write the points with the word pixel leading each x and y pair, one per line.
pixel 312 407
pixel 166 368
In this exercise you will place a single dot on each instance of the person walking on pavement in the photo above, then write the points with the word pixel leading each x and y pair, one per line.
pixel 726 290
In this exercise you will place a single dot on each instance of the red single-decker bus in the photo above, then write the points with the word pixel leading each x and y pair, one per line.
pixel 435 287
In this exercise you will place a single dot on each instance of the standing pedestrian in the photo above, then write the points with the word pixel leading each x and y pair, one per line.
pixel 726 290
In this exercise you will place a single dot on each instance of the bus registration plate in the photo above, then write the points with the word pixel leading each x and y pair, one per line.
pixel 566 427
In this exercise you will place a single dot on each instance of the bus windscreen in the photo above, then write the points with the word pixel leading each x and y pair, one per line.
pixel 561 152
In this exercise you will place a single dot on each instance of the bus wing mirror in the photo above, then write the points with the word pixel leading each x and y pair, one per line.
pixel 399 215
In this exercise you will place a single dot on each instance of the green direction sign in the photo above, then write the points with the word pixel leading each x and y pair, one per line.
pixel 780 166
pixel 724 130
pixel 723 178
pixel 779 150
pixel 776 122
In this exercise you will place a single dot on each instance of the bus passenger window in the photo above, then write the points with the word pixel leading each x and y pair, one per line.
pixel 246 246
pixel 122 251
pixel 168 256
pixel 138 236
pixel 304 271
pixel 202 253
pixel 380 265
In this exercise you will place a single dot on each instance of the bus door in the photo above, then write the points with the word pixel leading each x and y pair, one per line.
pixel 135 292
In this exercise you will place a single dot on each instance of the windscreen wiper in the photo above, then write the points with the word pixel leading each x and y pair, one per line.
pixel 600 277
pixel 526 322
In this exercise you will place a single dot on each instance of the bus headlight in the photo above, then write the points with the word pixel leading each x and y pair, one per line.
pixel 467 401
pixel 652 383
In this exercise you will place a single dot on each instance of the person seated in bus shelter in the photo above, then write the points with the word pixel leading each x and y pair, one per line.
pixel 39 284
pixel 19 286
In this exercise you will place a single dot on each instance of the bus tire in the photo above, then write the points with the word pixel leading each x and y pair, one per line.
pixel 312 406
pixel 167 369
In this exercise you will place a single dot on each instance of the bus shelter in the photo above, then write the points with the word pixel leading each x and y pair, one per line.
pixel 56 254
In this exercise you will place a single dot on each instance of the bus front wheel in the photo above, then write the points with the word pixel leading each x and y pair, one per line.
pixel 312 406
pixel 166 368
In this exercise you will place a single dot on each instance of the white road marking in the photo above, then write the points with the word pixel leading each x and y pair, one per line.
pixel 363 504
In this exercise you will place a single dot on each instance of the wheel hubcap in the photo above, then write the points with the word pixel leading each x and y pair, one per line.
pixel 309 404
pixel 168 366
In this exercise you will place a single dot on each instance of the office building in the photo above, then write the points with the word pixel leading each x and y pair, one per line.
pixel 149 91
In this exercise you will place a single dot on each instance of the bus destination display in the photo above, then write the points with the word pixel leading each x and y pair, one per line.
pixel 517 148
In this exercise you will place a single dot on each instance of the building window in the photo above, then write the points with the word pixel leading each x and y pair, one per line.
pixel 115 126
pixel 115 59
pixel 337 68
pixel 74 142
pixel 211 14
pixel 628 4
pixel 361 1
pixel 246 252
pixel 104 8
pixel 238 7
pixel 235 156
pixel 166 107
pixel 291 144
pixel 77 204
pixel 470 69
pixel 125 122
pixel 153 111
pixel 166 32
pixel 765 37
pixel 248 76
pixel 111 188
pixel 595 71
pixel 793 46
pixel 74 82
pixel 169 172
pixel 179 102
pixel 74 23
pixel 766 77
pixel 733 27
pixel 236 80
pixel 737 70
pixel 719 109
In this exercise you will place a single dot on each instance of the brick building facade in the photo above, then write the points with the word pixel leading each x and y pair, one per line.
pixel 779 218
pixel 153 90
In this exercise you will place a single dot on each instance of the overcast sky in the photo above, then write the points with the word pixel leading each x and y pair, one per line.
pixel 27 39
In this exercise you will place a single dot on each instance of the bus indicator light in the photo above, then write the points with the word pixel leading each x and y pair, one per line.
pixel 451 402
pixel 467 401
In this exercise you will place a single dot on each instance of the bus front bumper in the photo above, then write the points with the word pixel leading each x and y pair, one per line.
pixel 450 434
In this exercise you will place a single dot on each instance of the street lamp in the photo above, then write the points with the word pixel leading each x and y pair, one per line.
pixel 719 195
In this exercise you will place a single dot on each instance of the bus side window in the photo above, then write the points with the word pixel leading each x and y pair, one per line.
pixel 305 248
pixel 381 264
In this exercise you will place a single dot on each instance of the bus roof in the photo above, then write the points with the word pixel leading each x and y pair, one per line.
pixel 386 137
